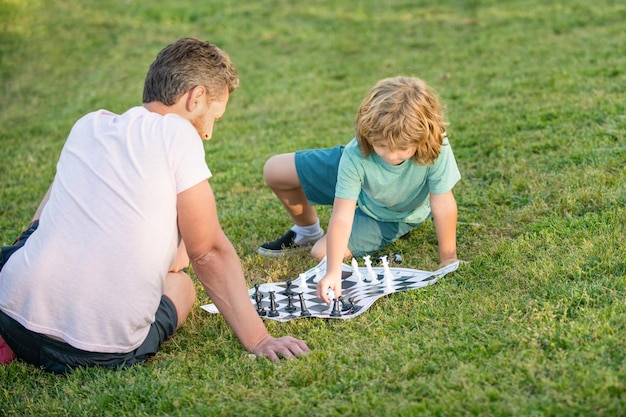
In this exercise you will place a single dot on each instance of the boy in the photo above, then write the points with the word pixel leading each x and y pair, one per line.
pixel 396 173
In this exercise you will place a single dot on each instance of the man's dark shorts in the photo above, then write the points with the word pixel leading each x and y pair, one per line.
pixel 56 356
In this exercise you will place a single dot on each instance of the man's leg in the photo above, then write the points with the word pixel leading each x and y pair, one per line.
pixel 179 287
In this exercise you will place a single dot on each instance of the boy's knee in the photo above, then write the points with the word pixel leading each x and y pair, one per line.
pixel 280 170
pixel 318 251
pixel 269 170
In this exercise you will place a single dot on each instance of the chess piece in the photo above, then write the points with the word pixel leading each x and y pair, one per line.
pixel 346 305
pixel 303 284
pixel 336 309
pixel 259 307
pixel 355 307
pixel 384 261
pixel 371 275
pixel 387 275
pixel 288 290
pixel 273 311
pixel 290 307
pixel 273 290
pixel 356 272
pixel 304 312
pixel 258 295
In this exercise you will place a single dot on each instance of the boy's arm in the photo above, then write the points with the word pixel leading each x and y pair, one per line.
pixel 339 229
pixel 444 210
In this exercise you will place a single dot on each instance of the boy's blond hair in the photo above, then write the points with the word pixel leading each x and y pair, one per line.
pixel 398 113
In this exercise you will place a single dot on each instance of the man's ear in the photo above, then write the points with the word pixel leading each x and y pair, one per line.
pixel 193 97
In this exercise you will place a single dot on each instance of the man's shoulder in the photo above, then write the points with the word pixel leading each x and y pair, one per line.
pixel 169 124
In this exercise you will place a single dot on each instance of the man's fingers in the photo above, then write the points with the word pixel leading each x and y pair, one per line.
pixel 286 346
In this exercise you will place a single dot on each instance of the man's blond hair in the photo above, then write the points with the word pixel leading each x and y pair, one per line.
pixel 184 64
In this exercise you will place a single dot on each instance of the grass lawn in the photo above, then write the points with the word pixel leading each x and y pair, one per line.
pixel 535 95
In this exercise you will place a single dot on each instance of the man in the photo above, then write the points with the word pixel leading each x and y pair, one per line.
pixel 97 279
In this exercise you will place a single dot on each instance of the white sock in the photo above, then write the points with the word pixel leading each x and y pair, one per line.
pixel 304 232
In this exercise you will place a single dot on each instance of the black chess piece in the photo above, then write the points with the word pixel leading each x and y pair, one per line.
pixel 288 291
pixel 273 311
pixel 259 308
pixel 290 307
pixel 336 309
pixel 258 296
pixel 304 312
pixel 346 305
pixel 397 258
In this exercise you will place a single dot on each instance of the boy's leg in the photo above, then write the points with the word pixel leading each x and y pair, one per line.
pixel 319 250
pixel 281 176
pixel 300 180
pixel 370 235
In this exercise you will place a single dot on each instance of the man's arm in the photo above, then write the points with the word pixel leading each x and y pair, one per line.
pixel 444 209
pixel 218 268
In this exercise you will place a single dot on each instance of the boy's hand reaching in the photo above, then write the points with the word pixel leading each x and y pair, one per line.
pixel 330 281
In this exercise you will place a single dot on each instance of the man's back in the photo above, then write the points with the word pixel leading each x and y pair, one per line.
pixel 96 266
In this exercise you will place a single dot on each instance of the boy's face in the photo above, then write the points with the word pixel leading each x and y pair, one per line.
pixel 394 156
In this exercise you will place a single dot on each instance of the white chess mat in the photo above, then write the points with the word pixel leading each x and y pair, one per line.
pixel 357 291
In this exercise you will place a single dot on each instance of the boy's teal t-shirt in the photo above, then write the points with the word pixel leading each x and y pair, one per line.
pixel 394 193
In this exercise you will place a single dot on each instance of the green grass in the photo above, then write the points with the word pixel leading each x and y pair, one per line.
pixel 535 93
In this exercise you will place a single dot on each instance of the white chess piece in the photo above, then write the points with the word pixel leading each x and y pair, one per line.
pixel 356 272
pixel 388 276
pixel 303 285
pixel 370 271
pixel 387 271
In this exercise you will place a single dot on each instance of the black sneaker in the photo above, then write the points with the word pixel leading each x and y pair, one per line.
pixel 287 243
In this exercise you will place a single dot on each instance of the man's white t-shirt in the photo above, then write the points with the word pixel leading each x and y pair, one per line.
pixel 93 273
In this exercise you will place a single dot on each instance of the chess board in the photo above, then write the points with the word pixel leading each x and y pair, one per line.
pixel 361 287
